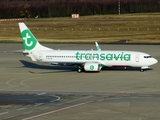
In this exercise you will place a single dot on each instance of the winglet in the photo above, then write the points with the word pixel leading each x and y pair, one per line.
pixel 97 46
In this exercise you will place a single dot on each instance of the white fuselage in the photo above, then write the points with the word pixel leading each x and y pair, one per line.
pixel 105 58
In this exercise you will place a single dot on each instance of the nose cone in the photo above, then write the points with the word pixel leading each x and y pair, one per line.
pixel 154 61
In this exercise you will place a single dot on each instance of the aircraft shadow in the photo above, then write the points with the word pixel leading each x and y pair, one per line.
pixel 28 64
pixel 69 68
pixel 122 69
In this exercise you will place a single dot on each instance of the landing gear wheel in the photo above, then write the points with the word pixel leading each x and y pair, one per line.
pixel 141 70
pixel 79 70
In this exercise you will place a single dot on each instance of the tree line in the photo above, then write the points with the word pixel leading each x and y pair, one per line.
pixel 62 8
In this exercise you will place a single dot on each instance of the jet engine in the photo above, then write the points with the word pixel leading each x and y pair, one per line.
pixel 92 67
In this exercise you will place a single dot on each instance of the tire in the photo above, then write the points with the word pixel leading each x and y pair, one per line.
pixel 141 70
pixel 79 70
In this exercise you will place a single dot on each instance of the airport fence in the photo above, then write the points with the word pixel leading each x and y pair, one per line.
pixel 88 29
pixel 12 20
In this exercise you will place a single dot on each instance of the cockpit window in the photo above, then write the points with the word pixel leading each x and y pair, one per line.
pixel 147 56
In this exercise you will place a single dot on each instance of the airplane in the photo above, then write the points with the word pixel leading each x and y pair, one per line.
pixel 85 60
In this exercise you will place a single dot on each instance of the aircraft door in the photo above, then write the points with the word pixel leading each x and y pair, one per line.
pixel 137 58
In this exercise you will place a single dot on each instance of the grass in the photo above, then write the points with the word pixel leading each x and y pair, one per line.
pixel 133 28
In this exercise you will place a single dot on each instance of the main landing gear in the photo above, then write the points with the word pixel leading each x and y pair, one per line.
pixel 80 69
pixel 141 70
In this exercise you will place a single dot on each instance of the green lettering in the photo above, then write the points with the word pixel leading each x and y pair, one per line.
pixel 96 55
pixel 121 56
pixel 102 56
pixel 116 57
pixel 77 55
pixel 88 56
pixel 81 56
pixel 127 57
pixel 109 57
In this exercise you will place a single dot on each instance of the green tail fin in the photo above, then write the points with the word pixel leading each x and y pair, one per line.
pixel 29 41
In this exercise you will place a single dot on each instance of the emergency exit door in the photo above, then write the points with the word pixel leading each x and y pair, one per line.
pixel 137 58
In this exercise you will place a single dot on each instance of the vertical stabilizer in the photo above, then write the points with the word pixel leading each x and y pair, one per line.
pixel 29 41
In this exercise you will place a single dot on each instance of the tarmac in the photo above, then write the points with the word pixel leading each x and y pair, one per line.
pixel 114 94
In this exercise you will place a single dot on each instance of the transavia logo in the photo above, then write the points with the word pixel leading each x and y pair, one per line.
pixel 103 56
pixel 29 40
pixel 92 67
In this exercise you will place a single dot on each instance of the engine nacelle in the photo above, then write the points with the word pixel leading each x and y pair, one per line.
pixel 92 67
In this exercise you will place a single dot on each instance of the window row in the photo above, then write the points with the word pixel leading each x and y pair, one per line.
pixel 83 57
